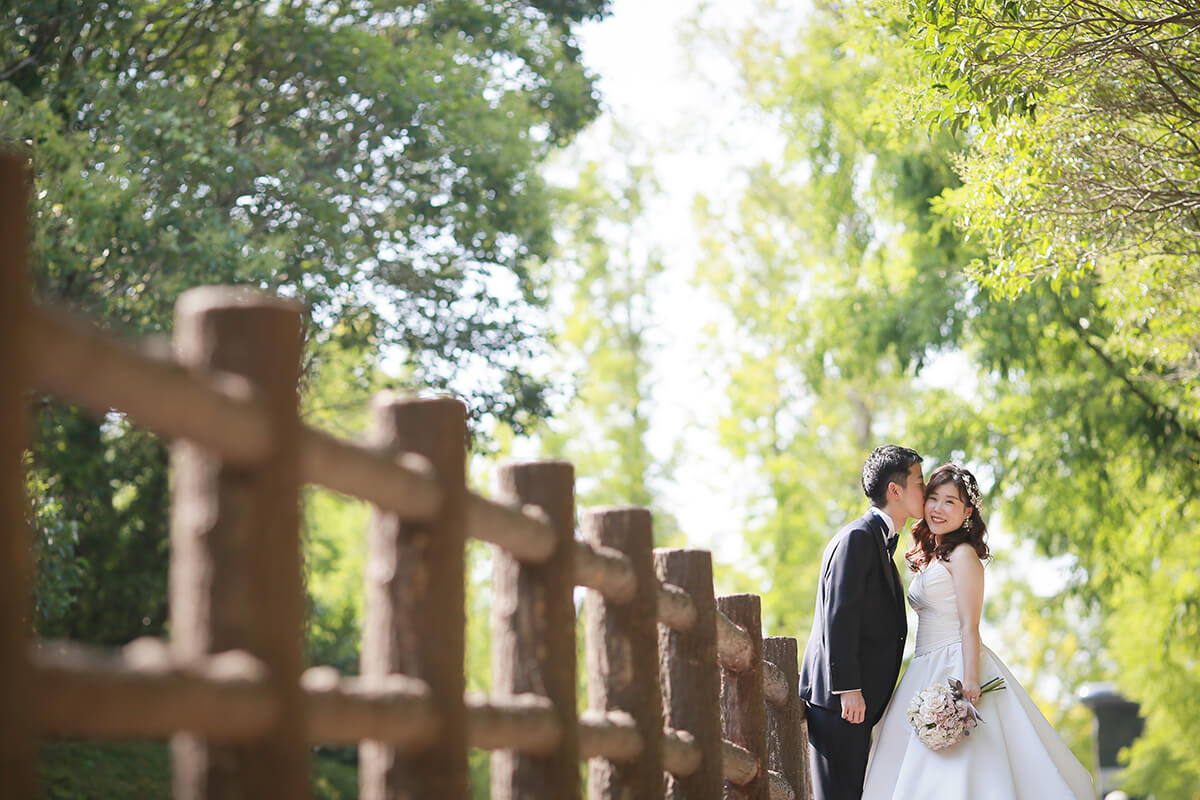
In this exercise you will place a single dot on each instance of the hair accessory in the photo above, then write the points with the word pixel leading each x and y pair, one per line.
pixel 971 485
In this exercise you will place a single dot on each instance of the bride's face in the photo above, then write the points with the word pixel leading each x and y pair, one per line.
pixel 945 509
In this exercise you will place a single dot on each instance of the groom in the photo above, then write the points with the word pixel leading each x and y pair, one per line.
pixel 859 626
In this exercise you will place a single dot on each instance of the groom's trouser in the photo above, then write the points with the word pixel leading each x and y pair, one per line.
pixel 838 754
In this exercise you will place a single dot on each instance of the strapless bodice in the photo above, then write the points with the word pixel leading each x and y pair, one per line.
pixel 931 594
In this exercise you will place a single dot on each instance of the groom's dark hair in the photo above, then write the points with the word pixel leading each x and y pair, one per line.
pixel 887 463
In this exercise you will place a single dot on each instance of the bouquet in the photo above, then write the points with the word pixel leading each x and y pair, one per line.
pixel 941 715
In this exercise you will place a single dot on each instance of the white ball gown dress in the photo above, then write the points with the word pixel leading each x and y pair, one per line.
pixel 1014 754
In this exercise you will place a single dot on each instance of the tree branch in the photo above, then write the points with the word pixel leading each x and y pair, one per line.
pixel 1157 408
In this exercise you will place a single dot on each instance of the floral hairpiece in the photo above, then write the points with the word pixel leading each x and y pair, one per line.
pixel 972 486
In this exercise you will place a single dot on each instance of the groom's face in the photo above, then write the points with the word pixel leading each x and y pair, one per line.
pixel 912 494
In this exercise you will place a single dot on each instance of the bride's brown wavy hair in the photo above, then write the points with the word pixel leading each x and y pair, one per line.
pixel 973 531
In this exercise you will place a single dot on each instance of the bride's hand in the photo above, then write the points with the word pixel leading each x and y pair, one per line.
pixel 970 691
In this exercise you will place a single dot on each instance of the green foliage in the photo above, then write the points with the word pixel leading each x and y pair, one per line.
pixel 839 284
pixel 1154 627
pixel 59 572
pixel 1053 641
pixel 1086 212
pixel 89 771
pixel 1085 466
pixel 883 284
pixel 100 493
pixel 603 280
pixel 71 770
pixel 1097 190
pixel 381 163
pixel 341 380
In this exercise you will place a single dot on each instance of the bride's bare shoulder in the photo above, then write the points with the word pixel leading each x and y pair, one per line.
pixel 963 557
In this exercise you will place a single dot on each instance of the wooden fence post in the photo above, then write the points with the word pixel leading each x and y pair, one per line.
pixel 805 790
pixel 688 672
pixel 17 741
pixel 533 633
pixel 622 656
pixel 415 611
pixel 235 579
pixel 743 705
pixel 787 750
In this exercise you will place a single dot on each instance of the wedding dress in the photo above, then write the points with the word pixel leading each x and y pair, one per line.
pixel 1014 754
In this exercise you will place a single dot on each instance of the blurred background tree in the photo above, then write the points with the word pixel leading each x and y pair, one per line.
pixel 837 281
pixel 381 162
pixel 605 278
pixel 983 221
pixel 1081 184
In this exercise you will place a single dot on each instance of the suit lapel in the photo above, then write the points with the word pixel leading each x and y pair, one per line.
pixel 889 566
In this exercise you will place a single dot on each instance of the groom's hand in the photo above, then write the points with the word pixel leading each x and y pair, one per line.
pixel 854 708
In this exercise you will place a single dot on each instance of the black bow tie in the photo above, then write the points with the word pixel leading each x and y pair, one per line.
pixel 891 542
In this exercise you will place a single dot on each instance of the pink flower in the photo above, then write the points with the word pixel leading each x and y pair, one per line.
pixel 940 715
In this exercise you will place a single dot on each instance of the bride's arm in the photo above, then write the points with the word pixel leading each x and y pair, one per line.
pixel 967 571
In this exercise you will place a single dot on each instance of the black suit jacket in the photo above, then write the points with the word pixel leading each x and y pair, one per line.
pixel 859 626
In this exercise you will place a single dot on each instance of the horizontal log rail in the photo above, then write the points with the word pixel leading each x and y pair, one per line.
pixel 226 697
pixel 613 735
pixel 78 362
pixel 606 570
pixel 775 685
pixel 524 532
pixel 404 483
pixel 681 754
pixel 602 734
pixel 141 691
pixel 739 764
pixel 608 734
pixel 527 723
pixel 396 709
pixel 741 767
pixel 735 651
pixel 524 722
pixel 138 691
pixel 675 608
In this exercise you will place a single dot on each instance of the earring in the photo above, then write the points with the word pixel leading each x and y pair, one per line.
pixel 968 524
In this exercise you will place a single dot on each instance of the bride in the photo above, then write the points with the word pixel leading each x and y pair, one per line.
pixel 1014 754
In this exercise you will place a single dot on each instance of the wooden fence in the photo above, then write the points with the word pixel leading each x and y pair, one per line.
pixel 686 699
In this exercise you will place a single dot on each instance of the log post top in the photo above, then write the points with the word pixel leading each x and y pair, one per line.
pixel 390 398
pixel 206 298
pixel 555 463
pixel 618 509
